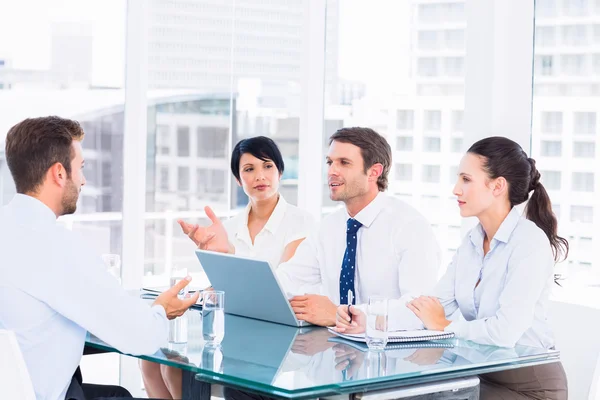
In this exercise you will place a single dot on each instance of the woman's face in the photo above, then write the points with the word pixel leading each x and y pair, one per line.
pixel 259 179
pixel 474 190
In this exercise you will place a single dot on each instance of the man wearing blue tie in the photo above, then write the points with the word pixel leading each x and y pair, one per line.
pixel 376 245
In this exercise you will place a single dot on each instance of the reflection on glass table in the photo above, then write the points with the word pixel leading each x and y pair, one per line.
pixel 279 360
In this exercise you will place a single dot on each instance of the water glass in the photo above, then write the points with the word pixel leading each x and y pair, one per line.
pixel 113 265
pixel 377 323
pixel 177 275
pixel 376 364
pixel 213 316
pixel 212 358
pixel 178 329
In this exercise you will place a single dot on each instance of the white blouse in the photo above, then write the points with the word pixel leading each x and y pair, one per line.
pixel 510 304
pixel 287 223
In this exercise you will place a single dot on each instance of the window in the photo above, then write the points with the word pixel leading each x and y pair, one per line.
pixel 405 120
pixel 183 179
pixel 163 140
pixel 164 178
pixel 583 182
pixel 544 66
pixel 404 172
pixel 431 173
pixel 210 181
pixel 404 143
pixel 584 149
pixel 584 123
pixel 545 8
pixel 212 142
pixel 545 36
pixel 574 64
pixel 432 120
pixel 458 117
pixel 552 122
pixel 551 179
pixel 183 141
pixel 583 214
pixel 106 174
pixel 574 35
pixel 454 66
pixel 551 148
pixel 428 40
pixel 456 145
pixel 575 8
pixel 455 39
pixel 432 144
pixel 428 66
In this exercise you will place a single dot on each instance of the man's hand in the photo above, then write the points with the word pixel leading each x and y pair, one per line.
pixel 426 356
pixel 313 342
pixel 315 309
pixel 212 237
pixel 430 311
pixel 343 324
pixel 173 305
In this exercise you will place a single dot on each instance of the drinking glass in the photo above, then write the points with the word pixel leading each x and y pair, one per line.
pixel 213 316
pixel 377 323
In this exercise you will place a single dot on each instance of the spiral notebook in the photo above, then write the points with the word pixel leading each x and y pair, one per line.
pixel 395 346
pixel 420 335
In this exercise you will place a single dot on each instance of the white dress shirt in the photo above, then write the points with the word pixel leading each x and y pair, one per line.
pixel 509 306
pixel 54 289
pixel 396 254
pixel 286 224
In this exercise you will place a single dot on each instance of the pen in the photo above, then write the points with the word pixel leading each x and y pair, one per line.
pixel 350 301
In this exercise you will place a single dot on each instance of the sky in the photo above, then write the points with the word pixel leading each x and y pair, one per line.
pixel 368 36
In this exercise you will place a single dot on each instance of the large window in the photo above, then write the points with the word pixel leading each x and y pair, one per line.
pixel 414 96
pixel 565 135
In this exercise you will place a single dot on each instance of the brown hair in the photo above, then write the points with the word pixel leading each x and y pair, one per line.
pixel 373 148
pixel 35 144
pixel 504 157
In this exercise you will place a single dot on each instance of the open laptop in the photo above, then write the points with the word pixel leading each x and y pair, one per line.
pixel 251 287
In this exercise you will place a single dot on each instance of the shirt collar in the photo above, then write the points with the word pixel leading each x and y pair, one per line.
pixel 367 215
pixel 31 209
pixel 277 216
pixel 504 231
pixel 274 220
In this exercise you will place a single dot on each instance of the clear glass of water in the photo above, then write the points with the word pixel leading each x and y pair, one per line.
pixel 377 323
pixel 178 274
pixel 113 265
pixel 213 316
pixel 178 330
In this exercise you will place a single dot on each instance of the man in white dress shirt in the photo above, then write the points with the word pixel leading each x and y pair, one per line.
pixel 53 287
pixel 376 245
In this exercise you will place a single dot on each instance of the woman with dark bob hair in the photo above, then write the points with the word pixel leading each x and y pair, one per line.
pixel 269 228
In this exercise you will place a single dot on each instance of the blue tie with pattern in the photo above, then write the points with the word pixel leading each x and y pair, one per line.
pixel 349 263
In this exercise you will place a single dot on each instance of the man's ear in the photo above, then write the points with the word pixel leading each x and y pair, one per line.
pixel 57 174
pixel 375 172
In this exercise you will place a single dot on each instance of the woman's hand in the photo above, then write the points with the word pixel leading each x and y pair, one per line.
pixel 430 311
pixel 342 320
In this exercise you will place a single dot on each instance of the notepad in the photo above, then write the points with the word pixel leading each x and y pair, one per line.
pixel 394 346
pixel 420 335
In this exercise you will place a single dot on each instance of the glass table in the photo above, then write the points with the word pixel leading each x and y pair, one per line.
pixel 300 363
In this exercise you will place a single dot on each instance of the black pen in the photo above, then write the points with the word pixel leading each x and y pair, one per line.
pixel 350 300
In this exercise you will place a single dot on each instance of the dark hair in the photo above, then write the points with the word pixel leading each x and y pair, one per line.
pixel 505 158
pixel 260 147
pixel 373 148
pixel 35 144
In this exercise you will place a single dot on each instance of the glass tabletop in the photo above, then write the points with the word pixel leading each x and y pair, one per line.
pixel 279 360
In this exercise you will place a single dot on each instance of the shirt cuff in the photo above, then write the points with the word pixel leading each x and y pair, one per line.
pixel 456 327
pixel 160 310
